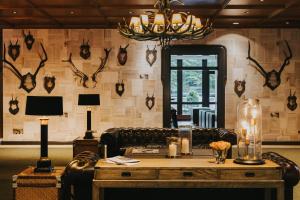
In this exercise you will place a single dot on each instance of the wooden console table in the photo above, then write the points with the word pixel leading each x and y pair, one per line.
pixel 186 173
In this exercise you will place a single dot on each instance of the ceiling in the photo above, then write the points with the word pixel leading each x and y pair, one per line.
pixel 107 13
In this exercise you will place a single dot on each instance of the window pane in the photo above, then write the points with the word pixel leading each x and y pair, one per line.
pixel 212 60
pixel 192 86
pixel 212 107
pixel 174 59
pixel 195 60
pixel 187 109
pixel 212 87
pixel 192 61
pixel 174 85
pixel 174 107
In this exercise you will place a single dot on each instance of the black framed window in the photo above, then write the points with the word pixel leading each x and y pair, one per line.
pixel 193 82
pixel 194 77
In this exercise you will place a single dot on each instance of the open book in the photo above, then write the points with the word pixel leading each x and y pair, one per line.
pixel 122 160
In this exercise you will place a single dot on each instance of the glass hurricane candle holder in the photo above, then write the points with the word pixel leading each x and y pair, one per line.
pixel 249 130
pixel 185 135
pixel 173 147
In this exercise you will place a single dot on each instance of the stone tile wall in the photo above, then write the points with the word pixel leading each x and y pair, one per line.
pixel 130 109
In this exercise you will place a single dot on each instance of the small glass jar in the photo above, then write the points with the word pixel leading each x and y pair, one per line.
pixel 173 147
pixel 185 135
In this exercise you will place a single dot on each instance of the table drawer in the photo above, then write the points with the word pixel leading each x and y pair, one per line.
pixel 250 174
pixel 130 174
pixel 188 174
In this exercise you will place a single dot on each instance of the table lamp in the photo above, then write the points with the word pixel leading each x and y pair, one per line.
pixel 44 106
pixel 89 100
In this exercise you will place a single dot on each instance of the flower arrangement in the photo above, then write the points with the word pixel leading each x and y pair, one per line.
pixel 220 149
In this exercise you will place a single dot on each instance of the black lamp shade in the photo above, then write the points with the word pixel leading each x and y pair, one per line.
pixel 44 105
pixel 89 99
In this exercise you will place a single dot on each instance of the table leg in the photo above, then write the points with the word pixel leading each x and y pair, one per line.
pixel 280 192
pixel 268 193
pixel 96 193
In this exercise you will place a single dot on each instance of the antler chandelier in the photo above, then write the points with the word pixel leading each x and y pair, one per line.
pixel 165 25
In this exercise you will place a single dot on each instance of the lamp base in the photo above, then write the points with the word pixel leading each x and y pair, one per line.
pixel 43 165
pixel 249 162
pixel 88 135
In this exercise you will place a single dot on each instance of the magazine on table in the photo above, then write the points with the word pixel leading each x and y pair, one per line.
pixel 122 160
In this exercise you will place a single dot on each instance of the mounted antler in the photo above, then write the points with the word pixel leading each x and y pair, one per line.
pixel 287 57
pixel 14 50
pixel 292 101
pixel 102 65
pixel 122 55
pixel 43 60
pixel 28 39
pixel 272 78
pixel 151 55
pixel 83 77
pixel 261 69
pixel 12 68
pixel 85 50
pixel 28 81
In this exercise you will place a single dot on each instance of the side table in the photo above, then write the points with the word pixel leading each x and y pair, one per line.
pixel 80 145
pixel 29 185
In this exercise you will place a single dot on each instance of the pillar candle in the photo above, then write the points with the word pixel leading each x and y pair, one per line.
pixel 185 146
pixel 172 150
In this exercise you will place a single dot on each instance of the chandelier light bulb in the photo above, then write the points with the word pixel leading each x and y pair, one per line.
pixel 135 22
pixel 188 19
pixel 198 23
pixel 176 19
pixel 145 20
pixel 159 19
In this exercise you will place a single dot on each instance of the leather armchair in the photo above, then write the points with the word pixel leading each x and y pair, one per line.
pixel 79 175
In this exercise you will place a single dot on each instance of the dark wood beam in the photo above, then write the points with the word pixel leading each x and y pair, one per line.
pixel 43 12
pixel 4 22
pixel 224 5
pixel 217 25
pixel 127 16
pixel 280 10
pixel 100 11
pixel 150 7
pixel 66 26
pixel 256 6
pixel 119 6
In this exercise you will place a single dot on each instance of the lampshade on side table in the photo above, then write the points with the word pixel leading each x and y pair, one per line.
pixel 44 106
pixel 89 100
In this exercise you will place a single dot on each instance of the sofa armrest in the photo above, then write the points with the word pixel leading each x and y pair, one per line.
pixel 79 175
pixel 290 170
pixel 110 138
pixel 82 164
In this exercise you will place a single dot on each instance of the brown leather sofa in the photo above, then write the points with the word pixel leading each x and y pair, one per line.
pixel 118 139
pixel 79 172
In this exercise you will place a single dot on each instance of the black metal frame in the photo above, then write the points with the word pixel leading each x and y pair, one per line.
pixel 206 71
pixel 194 50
